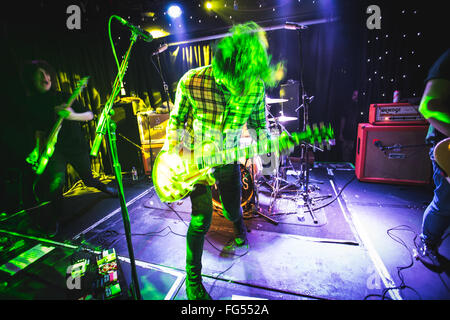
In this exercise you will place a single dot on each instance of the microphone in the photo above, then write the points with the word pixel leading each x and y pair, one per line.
pixel 146 36
pixel 294 26
pixel 161 48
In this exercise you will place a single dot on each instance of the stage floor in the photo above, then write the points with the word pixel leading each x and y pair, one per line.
pixel 353 251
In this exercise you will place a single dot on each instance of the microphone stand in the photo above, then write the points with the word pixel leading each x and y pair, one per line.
pixel 107 125
pixel 165 86
pixel 304 163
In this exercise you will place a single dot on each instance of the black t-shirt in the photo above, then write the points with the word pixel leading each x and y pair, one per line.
pixel 439 70
pixel 351 114
pixel 41 116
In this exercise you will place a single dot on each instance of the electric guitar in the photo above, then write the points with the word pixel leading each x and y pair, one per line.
pixel 175 173
pixel 39 158
pixel 442 156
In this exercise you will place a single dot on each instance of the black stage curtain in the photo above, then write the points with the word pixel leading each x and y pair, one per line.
pixel 334 62
pixel 75 55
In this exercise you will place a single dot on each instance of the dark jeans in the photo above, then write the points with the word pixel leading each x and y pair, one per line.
pixel 228 180
pixel 436 218
pixel 50 185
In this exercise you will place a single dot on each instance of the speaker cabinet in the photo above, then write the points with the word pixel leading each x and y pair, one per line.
pixel 392 154
pixel 127 135
pixel 153 123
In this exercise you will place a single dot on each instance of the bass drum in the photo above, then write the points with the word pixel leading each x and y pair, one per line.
pixel 247 192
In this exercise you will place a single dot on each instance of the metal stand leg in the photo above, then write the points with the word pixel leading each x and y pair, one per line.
pixel 257 208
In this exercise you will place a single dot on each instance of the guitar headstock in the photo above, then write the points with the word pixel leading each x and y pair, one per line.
pixel 321 135
pixel 318 135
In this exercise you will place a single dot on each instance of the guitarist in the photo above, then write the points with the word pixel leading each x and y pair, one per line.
pixel 42 106
pixel 435 107
pixel 214 102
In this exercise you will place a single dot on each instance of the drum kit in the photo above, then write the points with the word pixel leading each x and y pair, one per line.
pixel 255 172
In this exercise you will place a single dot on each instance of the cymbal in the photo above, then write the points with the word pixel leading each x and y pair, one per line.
pixel 283 119
pixel 273 100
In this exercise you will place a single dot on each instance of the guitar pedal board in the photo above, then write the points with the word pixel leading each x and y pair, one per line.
pixel 98 276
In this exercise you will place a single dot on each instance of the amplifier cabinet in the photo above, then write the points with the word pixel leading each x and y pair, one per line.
pixel 153 123
pixel 395 114
pixel 392 154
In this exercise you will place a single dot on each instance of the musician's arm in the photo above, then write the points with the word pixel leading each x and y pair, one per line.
pixel 75 112
pixel 81 116
pixel 434 105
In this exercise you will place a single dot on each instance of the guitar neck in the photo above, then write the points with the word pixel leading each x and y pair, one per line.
pixel 57 126
pixel 234 154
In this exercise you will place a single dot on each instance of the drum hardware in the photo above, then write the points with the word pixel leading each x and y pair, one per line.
pixel 256 209
pixel 279 182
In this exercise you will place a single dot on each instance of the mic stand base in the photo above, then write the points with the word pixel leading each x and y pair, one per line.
pixel 125 215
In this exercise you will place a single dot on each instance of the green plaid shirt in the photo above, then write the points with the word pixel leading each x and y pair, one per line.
pixel 205 110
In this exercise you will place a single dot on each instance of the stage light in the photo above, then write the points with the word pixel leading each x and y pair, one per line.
pixel 158 33
pixel 209 5
pixel 174 11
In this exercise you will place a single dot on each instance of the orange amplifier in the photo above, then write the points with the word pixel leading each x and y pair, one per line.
pixel 392 154
pixel 153 123
pixel 395 114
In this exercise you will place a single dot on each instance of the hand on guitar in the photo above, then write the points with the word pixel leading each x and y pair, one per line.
pixel 63 111
pixel 33 156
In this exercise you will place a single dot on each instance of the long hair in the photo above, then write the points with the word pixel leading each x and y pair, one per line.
pixel 242 57
pixel 29 70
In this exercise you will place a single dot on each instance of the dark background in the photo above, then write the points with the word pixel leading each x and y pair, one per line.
pixel 338 57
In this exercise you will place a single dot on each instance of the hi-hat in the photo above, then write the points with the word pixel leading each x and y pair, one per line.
pixel 273 100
